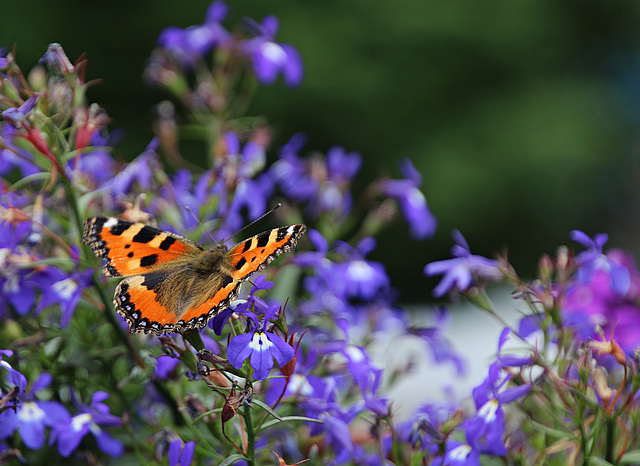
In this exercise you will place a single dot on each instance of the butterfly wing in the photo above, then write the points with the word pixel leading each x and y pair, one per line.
pixel 255 253
pixel 133 248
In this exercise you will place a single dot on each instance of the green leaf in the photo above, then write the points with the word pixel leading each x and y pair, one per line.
pixel 630 457
pixel 597 461
pixel 232 459
pixel 28 179
pixel 267 408
pixel 290 418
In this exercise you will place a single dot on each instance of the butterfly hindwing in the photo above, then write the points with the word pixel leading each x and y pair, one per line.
pixel 133 248
pixel 255 253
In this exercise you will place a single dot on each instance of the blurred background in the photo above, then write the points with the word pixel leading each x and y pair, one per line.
pixel 523 117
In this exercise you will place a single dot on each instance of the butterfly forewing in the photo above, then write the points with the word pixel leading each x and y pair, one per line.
pixel 255 253
pixel 133 248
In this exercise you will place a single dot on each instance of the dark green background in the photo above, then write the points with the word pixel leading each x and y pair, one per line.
pixel 521 115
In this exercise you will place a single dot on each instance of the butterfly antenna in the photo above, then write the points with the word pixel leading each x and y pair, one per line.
pixel 199 222
pixel 255 221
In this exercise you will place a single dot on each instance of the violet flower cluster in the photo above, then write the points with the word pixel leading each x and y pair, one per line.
pixel 287 372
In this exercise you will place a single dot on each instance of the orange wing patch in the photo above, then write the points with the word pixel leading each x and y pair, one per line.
pixel 136 301
pixel 255 253
pixel 133 248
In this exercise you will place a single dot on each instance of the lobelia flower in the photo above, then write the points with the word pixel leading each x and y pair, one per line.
pixel 251 307
pixel 64 290
pixel 412 202
pixel 464 270
pixel 599 302
pixel 141 169
pixel 485 431
pixel 180 454
pixel 31 416
pixel 192 44
pixel 261 346
pixel 269 58
pixel 322 182
pixel 593 259
pixel 70 433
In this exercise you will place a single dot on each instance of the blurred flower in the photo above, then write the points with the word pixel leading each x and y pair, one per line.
pixel 322 182
pixel 599 302
pixel 139 170
pixel 261 346
pixel 269 57
pixel 180 454
pixel 64 290
pixel 412 202
pixel 190 45
pixel 69 434
pixel 464 270
pixel 15 115
pixel 593 259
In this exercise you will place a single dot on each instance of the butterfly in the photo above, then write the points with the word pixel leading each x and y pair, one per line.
pixel 171 283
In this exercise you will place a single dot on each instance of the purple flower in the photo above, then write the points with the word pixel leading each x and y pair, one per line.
pixel 32 416
pixel 13 156
pixel 412 202
pixel 464 270
pixel 269 58
pixel 458 454
pixel 593 259
pixel 15 115
pixel 181 454
pixel 141 169
pixel 192 44
pixel 69 434
pixel 251 307
pixel 322 182
pixel 598 302
pixel 485 431
pixel 64 290
pixel 261 346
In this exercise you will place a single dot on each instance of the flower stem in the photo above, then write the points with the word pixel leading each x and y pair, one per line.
pixel 251 437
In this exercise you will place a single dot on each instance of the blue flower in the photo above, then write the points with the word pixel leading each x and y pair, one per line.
pixel 32 416
pixel 192 44
pixel 261 346
pixel 322 182
pixel 269 57
pixel 64 290
pixel 69 434
pixel 181 454
pixel 593 259
pixel 464 270
pixel 412 202
pixel 139 170
pixel 485 431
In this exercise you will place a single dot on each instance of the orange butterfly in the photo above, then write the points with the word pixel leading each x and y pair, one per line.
pixel 172 284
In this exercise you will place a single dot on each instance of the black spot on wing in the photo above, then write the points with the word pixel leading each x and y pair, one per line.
pixel 167 242
pixel 226 279
pixel 247 245
pixel 145 235
pixel 241 263
pixel 120 227
pixel 263 239
pixel 153 280
pixel 282 233
pixel 148 261
pixel 130 254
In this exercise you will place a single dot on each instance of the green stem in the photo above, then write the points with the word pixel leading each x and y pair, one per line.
pixel 111 317
pixel 611 429
pixel 251 436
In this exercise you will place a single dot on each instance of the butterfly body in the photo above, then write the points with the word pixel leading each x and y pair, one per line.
pixel 172 284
